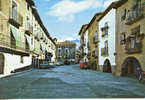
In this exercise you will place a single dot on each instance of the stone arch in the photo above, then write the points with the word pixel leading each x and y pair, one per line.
pixel 107 66
pixel 2 59
pixel 131 67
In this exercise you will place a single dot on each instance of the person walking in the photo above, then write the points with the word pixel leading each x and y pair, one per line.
pixel 139 74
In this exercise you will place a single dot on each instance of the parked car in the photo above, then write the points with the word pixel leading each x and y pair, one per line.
pixel 61 63
pixel 51 64
pixel 83 64
pixel 44 64
pixel 66 62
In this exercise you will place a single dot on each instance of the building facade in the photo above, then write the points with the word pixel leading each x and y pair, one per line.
pixel 84 42
pixel 66 51
pixel 130 37
pixel 21 30
pixel 107 40
pixel 93 41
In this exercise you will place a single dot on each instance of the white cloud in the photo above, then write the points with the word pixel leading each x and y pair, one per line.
pixel 47 0
pixel 66 9
pixel 66 39
pixel 108 2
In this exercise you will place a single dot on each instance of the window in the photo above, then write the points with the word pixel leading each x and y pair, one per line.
pixel 96 37
pixel 123 16
pixel 106 28
pixel 22 59
pixel 105 50
pixel 106 44
pixel 122 38
pixel 132 41
pixel 28 23
pixel 96 53
pixel 14 11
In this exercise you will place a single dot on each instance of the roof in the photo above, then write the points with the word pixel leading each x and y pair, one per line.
pixel 66 43
pixel 52 41
pixel 83 28
pixel 31 2
pixel 120 3
pixel 93 19
pixel 114 5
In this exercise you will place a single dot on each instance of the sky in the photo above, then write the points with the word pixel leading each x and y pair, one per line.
pixel 64 18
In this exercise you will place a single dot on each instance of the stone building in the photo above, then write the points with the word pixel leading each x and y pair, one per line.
pixel 21 30
pixel 93 41
pixel 84 42
pixel 66 51
pixel 130 37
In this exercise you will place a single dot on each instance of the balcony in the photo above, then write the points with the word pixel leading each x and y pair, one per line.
pixel 7 45
pixel 16 19
pixel 135 15
pixel 29 29
pixel 104 51
pixel 136 49
pixel 105 29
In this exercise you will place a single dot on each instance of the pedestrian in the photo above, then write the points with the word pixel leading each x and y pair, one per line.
pixel 139 71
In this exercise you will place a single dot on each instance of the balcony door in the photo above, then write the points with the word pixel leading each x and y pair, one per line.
pixel 14 10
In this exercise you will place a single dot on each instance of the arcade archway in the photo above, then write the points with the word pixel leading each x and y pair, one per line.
pixel 130 67
pixel 107 66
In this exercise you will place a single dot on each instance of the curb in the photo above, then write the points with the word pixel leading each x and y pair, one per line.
pixel 13 74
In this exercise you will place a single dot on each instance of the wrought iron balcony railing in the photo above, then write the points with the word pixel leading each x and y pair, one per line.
pixel 16 19
pixel 29 29
pixel 135 15
pixel 137 48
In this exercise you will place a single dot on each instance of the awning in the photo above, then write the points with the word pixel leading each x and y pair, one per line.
pixel 14 32
pixel 28 38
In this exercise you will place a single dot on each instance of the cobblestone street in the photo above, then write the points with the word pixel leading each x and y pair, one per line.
pixel 69 82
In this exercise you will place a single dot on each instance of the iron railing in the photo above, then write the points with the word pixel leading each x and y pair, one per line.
pixel 135 15
pixel 16 19
pixel 136 49
pixel 29 29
